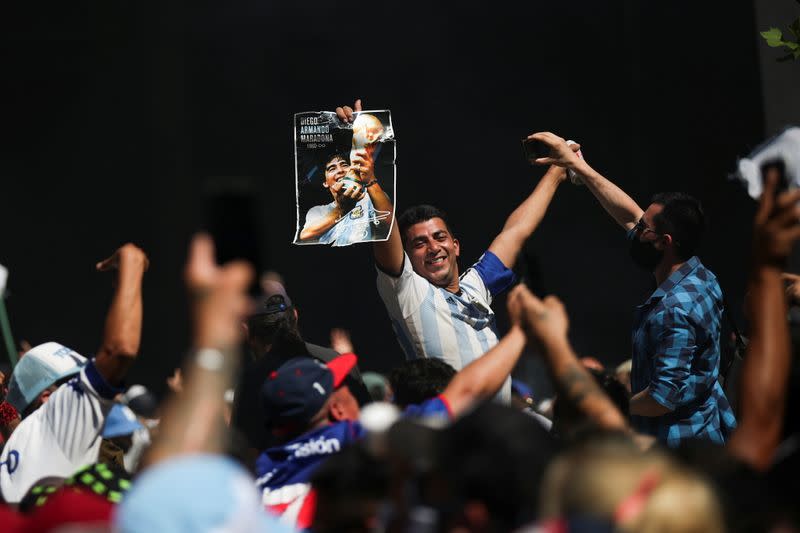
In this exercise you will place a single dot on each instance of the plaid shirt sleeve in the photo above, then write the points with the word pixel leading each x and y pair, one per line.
pixel 671 384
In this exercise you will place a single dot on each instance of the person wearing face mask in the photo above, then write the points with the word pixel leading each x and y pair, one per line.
pixel 675 392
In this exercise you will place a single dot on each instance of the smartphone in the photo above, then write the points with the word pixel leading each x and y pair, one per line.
pixel 534 149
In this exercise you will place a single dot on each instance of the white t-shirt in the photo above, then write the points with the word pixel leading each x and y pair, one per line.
pixel 363 223
pixel 60 437
pixel 430 321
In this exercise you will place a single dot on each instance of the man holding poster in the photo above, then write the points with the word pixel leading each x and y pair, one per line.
pixel 436 312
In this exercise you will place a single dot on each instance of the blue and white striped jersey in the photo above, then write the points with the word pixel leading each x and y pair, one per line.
pixel 430 321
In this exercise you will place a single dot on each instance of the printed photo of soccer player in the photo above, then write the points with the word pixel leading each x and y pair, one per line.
pixel 358 206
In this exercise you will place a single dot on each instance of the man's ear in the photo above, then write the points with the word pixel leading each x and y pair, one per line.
pixel 457 247
pixel 296 314
pixel 336 411
pixel 45 395
pixel 666 239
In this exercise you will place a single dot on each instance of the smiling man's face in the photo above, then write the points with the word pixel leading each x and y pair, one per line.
pixel 433 252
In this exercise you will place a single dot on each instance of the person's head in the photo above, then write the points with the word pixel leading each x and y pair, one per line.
pixel 418 380
pixel 669 230
pixel 273 322
pixel 649 491
pixel 492 461
pixel 39 373
pixel 350 488
pixel 430 244
pixel 335 167
pixel 304 393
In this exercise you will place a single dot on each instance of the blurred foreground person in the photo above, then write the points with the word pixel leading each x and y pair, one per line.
pixel 187 484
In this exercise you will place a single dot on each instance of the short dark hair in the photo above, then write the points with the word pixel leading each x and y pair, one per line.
pixel 420 213
pixel 683 218
pixel 334 154
pixel 497 455
pixel 269 328
pixel 418 380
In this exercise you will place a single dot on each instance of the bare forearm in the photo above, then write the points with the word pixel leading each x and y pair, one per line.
pixel 123 325
pixel 389 253
pixel 643 404
pixel 193 421
pixel 614 200
pixel 319 227
pixel 380 200
pixel 577 386
pixel 526 218
pixel 765 371
pixel 483 377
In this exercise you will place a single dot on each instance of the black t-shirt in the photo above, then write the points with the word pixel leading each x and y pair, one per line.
pixel 248 413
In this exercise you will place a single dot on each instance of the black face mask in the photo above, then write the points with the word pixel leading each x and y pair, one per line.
pixel 644 254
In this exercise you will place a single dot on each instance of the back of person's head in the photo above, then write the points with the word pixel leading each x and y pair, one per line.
pixel 418 380
pixel 350 487
pixel 420 213
pixel 605 476
pixel 302 394
pixel 493 459
pixel 683 218
pixel 274 322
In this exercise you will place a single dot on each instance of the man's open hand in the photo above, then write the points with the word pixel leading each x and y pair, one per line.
pixel 219 295
pixel 775 228
pixel 544 321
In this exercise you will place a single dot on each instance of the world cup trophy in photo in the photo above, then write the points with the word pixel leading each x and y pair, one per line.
pixel 367 130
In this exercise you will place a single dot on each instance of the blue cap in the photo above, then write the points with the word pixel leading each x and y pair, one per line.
pixel 296 392
pixel 41 367
pixel 192 493
pixel 120 421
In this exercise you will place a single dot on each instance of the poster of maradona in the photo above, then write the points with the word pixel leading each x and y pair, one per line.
pixel 345 177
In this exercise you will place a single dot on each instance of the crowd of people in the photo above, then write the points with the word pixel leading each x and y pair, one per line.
pixel 264 431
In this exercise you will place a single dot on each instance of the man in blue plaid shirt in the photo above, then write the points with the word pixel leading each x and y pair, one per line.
pixel 676 395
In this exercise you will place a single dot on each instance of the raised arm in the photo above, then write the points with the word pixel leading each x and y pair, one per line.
pixel 614 200
pixel 123 327
pixel 766 367
pixel 193 421
pixel 525 218
pixel 483 377
pixel 546 324
pixel 388 253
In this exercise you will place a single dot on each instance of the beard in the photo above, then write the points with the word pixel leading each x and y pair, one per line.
pixel 645 254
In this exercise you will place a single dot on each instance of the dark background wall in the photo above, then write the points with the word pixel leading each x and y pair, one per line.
pixel 146 121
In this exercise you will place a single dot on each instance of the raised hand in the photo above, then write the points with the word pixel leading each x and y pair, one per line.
pixel 544 321
pixel 127 254
pixel 346 113
pixel 561 153
pixel 775 228
pixel 219 295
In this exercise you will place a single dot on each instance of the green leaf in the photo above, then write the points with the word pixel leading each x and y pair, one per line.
pixel 791 46
pixel 773 36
